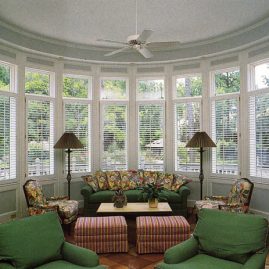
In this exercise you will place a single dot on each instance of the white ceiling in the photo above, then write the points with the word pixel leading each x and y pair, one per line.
pixel 84 21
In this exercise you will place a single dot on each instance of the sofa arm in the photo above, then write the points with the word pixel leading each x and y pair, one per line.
pixel 86 191
pixel 4 265
pixel 256 261
pixel 183 191
pixel 79 256
pixel 181 252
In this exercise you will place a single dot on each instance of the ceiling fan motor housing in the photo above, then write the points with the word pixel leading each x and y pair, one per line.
pixel 132 40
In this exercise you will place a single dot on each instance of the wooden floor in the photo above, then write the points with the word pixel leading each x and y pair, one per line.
pixel 132 260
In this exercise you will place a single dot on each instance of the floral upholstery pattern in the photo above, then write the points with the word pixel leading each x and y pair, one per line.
pixel 91 181
pixel 128 180
pixel 179 181
pixel 38 204
pixel 114 180
pixel 150 177
pixel 166 179
pixel 102 180
pixel 238 199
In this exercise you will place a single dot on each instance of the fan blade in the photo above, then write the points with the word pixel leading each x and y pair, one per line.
pixel 145 52
pixel 112 41
pixel 168 44
pixel 117 51
pixel 144 36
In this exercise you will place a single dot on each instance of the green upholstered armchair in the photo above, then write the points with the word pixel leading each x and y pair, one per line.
pixel 223 240
pixel 38 242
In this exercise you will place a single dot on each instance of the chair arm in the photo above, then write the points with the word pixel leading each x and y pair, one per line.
pixel 4 265
pixel 181 252
pixel 256 261
pixel 217 198
pixel 183 191
pixel 86 191
pixel 57 198
pixel 79 256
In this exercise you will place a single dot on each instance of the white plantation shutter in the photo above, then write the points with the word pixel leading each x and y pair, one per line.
pixel 7 137
pixel 151 137
pixel 40 138
pixel 187 123
pixel 259 135
pixel 77 120
pixel 114 136
pixel 225 134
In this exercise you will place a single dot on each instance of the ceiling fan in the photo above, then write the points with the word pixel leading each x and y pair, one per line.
pixel 140 43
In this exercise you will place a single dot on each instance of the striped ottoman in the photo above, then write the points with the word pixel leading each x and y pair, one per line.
pixel 102 234
pixel 156 234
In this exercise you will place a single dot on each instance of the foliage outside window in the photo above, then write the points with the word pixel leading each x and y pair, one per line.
pixel 114 155
pixel 113 89
pixel 150 89
pixel 187 115
pixel 259 124
pixel 189 86
pixel 77 114
pixel 225 122
pixel 5 76
pixel 40 123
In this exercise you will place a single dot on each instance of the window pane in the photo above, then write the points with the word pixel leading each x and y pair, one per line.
pixel 37 83
pixel 262 76
pixel 7 137
pixel 150 89
pixel 189 86
pixel 115 89
pixel 224 132
pixel 187 123
pixel 114 137
pixel 40 138
pixel 76 87
pixel 4 78
pixel 151 137
pixel 77 120
pixel 259 136
pixel 227 82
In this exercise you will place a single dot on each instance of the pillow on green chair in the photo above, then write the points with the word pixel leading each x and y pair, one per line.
pixel 231 236
pixel 31 241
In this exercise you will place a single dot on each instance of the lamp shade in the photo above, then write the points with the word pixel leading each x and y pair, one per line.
pixel 200 140
pixel 68 141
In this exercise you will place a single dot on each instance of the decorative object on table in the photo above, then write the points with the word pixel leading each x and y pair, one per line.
pixel 37 203
pixel 153 193
pixel 238 199
pixel 68 141
pixel 119 199
pixel 201 140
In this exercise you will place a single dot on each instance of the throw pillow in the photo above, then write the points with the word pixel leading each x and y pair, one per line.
pixel 91 181
pixel 150 177
pixel 179 181
pixel 166 180
pixel 140 178
pixel 102 180
pixel 114 180
pixel 134 180
pixel 125 180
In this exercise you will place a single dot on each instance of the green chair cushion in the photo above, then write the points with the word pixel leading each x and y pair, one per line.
pixel 66 265
pixel 245 236
pixel 202 261
pixel 172 197
pixel 31 241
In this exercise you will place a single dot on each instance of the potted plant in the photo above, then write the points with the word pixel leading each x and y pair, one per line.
pixel 153 193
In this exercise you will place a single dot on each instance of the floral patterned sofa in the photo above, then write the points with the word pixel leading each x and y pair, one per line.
pixel 38 204
pixel 101 186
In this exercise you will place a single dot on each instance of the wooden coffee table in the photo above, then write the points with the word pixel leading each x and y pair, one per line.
pixel 134 208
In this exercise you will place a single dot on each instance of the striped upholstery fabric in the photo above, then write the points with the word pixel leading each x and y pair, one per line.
pixel 156 234
pixel 102 234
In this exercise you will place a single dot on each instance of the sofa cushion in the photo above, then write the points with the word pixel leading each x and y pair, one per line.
pixel 113 180
pixel 102 180
pixel 91 181
pixel 247 233
pixel 179 181
pixel 64 264
pixel 165 179
pixel 31 241
pixel 128 180
pixel 203 261
pixel 171 197
pixel 150 177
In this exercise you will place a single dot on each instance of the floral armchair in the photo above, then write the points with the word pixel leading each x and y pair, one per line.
pixel 238 199
pixel 38 204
